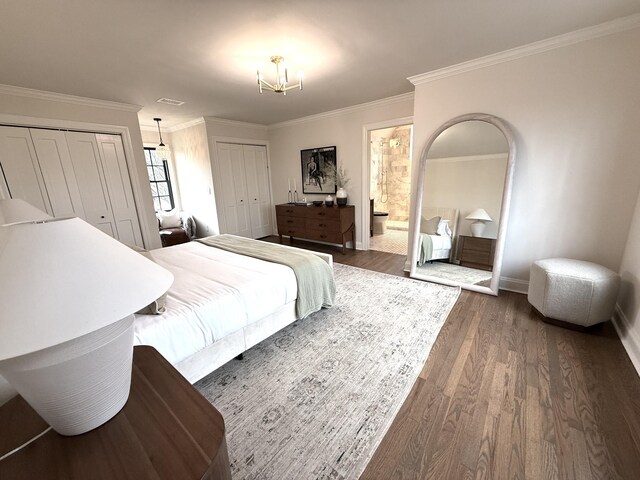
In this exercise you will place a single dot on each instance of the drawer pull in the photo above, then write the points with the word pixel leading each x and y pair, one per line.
pixel 322 214
pixel 323 236
pixel 322 225
pixel 289 211
pixel 289 221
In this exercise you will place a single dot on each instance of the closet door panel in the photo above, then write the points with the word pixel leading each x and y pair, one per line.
pixel 87 166
pixel 119 189
pixel 257 176
pixel 20 169
pixel 57 171
pixel 235 208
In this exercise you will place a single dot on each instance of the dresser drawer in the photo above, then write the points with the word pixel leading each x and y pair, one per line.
pixel 322 213
pixel 324 236
pixel 291 231
pixel 287 211
pixel 322 224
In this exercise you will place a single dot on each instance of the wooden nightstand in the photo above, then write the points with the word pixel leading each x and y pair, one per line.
pixel 166 430
pixel 476 252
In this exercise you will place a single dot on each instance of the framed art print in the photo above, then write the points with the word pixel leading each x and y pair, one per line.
pixel 319 170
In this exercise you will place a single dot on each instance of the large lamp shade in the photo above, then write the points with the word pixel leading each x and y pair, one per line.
pixel 480 216
pixel 68 293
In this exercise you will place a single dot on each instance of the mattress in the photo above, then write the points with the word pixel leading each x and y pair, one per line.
pixel 214 294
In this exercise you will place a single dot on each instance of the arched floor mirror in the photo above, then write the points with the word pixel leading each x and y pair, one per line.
pixel 462 203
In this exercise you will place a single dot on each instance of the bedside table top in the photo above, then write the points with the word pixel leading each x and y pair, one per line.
pixel 166 430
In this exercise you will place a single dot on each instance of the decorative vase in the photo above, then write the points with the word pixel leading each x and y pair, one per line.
pixel 328 201
pixel 341 197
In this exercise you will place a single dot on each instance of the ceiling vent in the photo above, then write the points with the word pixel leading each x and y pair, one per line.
pixel 170 101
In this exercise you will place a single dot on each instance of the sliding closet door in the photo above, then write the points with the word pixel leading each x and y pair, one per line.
pixel 259 195
pixel 21 173
pixel 57 171
pixel 87 166
pixel 119 188
pixel 234 189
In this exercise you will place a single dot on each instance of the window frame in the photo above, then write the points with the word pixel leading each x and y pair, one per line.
pixel 151 156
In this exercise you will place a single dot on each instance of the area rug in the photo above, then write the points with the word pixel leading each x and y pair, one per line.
pixel 457 273
pixel 314 400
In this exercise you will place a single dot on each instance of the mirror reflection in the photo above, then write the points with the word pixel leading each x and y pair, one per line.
pixel 463 186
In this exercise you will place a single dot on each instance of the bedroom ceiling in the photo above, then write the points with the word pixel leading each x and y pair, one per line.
pixel 205 53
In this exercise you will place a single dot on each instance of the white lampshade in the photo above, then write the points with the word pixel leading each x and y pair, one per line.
pixel 17 210
pixel 480 216
pixel 68 292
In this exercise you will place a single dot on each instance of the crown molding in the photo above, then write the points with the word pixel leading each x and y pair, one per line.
pixel 584 34
pixel 64 98
pixel 342 111
pixel 234 123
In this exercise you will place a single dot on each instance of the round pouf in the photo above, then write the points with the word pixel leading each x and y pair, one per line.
pixel 574 291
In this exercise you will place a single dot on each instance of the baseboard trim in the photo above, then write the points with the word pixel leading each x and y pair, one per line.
pixel 628 337
pixel 513 285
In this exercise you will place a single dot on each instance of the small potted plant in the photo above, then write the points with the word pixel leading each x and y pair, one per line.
pixel 342 180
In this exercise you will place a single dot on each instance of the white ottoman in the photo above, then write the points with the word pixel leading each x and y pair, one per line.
pixel 582 293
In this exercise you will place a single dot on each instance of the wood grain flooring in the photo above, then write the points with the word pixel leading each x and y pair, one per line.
pixel 505 395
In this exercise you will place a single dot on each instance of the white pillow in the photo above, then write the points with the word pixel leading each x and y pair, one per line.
pixel 443 228
pixel 170 219
pixel 429 226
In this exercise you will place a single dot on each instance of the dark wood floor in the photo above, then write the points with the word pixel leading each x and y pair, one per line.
pixel 505 395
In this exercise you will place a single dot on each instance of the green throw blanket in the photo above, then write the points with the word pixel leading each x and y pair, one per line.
pixel 316 287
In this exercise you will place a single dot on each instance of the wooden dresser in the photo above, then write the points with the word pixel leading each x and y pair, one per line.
pixel 476 252
pixel 325 224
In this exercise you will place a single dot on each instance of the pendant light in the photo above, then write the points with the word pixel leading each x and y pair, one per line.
pixel 162 151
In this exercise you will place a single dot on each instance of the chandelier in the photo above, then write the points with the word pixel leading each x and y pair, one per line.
pixel 162 151
pixel 281 78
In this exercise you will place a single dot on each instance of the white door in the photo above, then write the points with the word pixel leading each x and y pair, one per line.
pixel 21 173
pixel 234 191
pixel 119 189
pixel 87 166
pixel 258 192
pixel 57 171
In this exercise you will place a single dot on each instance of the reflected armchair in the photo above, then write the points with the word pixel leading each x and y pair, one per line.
pixel 176 227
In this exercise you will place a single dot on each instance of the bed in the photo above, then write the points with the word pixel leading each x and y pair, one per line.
pixel 220 304
pixel 437 244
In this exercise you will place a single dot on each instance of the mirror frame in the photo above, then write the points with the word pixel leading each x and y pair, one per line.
pixel 493 287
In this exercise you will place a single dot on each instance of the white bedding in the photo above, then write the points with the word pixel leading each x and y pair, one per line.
pixel 440 242
pixel 433 247
pixel 214 294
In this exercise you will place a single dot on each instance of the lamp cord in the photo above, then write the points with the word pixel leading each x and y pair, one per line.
pixel 6 455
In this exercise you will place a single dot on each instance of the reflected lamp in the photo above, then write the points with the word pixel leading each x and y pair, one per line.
pixel 479 217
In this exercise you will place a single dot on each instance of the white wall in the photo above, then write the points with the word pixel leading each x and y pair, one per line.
pixel 191 161
pixel 54 109
pixel 344 129
pixel 575 112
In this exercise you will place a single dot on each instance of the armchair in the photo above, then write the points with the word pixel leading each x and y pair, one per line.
pixel 175 227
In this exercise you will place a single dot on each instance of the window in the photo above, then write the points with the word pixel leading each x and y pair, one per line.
pixel 158 171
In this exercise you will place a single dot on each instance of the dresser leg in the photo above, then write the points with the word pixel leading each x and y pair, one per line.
pixel 280 238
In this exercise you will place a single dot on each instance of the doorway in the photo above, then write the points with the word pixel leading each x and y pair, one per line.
pixel 390 188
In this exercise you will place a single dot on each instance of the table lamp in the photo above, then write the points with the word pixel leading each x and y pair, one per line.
pixel 480 216
pixel 67 296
